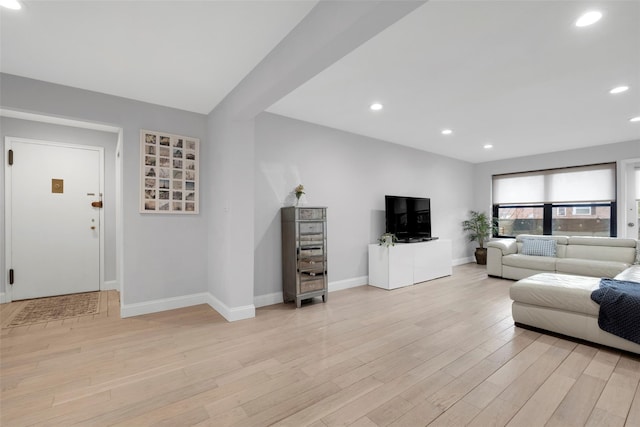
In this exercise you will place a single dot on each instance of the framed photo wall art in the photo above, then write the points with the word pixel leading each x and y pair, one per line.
pixel 169 173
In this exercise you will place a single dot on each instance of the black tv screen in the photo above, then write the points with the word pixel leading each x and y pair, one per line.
pixel 409 218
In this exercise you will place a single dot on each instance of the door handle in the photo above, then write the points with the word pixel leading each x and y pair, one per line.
pixel 631 224
pixel 97 204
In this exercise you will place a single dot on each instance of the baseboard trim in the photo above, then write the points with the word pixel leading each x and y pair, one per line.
pixel 110 285
pixel 164 304
pixel 461 261
pixel 3 298
pixel 268 299
pixel 340 285
pixel 232 314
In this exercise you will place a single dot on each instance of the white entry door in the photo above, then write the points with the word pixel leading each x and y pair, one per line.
pixel 53 231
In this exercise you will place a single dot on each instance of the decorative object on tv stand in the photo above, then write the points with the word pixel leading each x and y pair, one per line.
pixel 387 239
pixel 299 190
pixel 169 173
pixel 478 228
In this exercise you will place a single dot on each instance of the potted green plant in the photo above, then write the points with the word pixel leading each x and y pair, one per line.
pixel 478 228
pixel 387 239
pixel 299 190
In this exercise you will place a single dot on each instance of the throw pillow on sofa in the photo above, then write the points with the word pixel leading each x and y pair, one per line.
pixel 539 247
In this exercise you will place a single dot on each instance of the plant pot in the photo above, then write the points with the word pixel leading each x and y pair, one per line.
pixel 481 256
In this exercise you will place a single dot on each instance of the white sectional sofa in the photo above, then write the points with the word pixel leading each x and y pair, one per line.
pixel 556 276
pixel 561 303
pixel 578 255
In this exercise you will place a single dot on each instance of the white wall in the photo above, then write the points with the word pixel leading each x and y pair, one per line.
pixel 349 174
pixel 70 135
pixel 585 156
pixel 230 219
pixel 326 34
pixel 164 256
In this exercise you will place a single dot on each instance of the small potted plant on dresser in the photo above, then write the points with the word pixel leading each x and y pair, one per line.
pixel 478 228
pixel 387 239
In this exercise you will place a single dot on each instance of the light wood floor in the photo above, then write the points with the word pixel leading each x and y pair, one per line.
pixel 443 352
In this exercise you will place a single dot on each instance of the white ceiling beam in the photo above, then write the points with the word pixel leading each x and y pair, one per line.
pixel 330 31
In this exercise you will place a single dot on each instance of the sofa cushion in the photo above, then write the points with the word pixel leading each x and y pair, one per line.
pixel 558 291
pixel 602 241
pixel 631 274
pixel 518 273
pixel 590 267
pixel 539 247
pixel 532 262
pixel 506 246
pixel 601 253
pixel 561 242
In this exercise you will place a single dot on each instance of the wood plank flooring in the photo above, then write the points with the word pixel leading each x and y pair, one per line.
pixel 443 352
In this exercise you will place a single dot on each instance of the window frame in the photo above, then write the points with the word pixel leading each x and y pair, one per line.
pixel 547 214
pixel 576 213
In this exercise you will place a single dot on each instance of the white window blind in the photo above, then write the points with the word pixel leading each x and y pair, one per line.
pixel 592 183
pixel 518 188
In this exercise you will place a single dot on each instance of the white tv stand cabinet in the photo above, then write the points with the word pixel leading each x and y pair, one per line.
pixel 408 263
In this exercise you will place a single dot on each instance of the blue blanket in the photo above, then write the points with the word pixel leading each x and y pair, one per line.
pixel 619 308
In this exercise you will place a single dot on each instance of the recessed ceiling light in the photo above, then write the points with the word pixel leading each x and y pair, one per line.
pixel 376 106
pixel 635 119
pixel 11 4
pixel 619 89
pixel 588 18
pixel 446 131
pixel 487 146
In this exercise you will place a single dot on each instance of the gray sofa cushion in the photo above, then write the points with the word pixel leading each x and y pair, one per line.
pixel 539 247
pixel 561 242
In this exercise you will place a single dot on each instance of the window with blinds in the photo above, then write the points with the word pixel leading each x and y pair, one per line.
pixel 569 201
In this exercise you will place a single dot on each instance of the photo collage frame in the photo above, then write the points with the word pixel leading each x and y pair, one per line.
pixel 169 170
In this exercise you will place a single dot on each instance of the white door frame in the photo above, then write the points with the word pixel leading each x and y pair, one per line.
pixel 8 141
pixel 626 200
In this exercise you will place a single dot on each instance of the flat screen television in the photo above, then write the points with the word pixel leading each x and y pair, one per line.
pixel 409 218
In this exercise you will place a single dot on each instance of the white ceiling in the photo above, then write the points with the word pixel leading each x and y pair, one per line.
pixel 181 54
pixel 517 74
